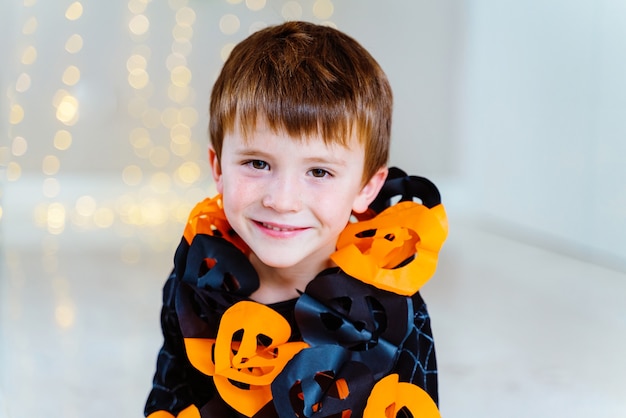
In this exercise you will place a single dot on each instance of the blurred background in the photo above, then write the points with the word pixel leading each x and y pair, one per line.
pixel 516 110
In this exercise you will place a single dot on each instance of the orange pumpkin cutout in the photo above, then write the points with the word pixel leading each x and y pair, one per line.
pixel 208 217
pixel 254 361
pixel 389 397
pixel 190 412
pixel 371 250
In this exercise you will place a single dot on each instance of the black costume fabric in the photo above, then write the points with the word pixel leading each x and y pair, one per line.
pixel 319 355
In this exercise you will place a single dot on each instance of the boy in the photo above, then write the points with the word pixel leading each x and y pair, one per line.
pixel 281 303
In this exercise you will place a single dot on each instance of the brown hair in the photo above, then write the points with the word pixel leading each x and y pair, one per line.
pixel 305 79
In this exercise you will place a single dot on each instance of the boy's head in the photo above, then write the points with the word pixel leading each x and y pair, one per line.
pixel 305 80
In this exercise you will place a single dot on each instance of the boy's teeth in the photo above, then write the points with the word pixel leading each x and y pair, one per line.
pixel 275 228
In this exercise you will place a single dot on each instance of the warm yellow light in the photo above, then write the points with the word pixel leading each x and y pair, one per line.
pixel 181 76
pixel 188 172
pixel 229 24
pixel 56 218
pixel 175 60
pixel 182 33
pixel 226 50
pixel 180 150
pixel 29 55
pixel 137 6
pixel 180 133
pixel 138 78
pixel 65 315
pixel 178 94
pixel 22 83
pixel 185 16
pixel 30 26
pixel 62 140
pixel 182 47
pixel 86 205
pixel 323 9
pixel 13 171
pixel 292 10
pixel 255 4
pixel 159 156
pixel 139 138
pixel 139 25
pixel 160 182
pixel 19 146
pixel 136 61
pixel 50 165
pixel 74 43
pixel 71 75
pixel 104 217
pixel 67 110
pixel 17 114
pixel 188 116
pixel 74 11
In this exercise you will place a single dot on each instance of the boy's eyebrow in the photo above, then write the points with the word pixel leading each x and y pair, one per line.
pixel 329 159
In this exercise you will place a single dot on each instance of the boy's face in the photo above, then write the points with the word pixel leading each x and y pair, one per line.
pixel 289 199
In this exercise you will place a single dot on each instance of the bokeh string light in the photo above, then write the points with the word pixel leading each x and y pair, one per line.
pixel 169 172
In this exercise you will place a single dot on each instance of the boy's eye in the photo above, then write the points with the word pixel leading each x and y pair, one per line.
pixel 319 172
pixel 258 164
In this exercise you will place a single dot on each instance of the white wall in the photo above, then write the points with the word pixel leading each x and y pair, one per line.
pixel 543 122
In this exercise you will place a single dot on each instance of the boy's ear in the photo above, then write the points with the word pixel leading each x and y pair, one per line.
pixel 216 169
pixel 370 190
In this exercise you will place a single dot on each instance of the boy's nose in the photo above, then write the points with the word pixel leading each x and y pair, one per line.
pixel 283 195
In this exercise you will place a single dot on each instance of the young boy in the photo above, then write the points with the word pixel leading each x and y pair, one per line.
pixel 295 290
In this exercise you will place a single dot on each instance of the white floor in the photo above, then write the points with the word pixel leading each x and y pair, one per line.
pixel 520 332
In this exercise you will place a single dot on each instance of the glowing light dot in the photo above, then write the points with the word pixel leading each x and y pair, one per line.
pixel 189 172
pixel 169 117
pixel 20 146
pixel 23 83
pixel 180 133
pixel 132 175
pixel 182 33
pixel 55 218
pixel 62 140
pixel 229 24
pixel 185 16
pixel 181 76
pixel 104 217
pixel 86 205
pixel 74 43
pixel 234 1
pixel 29 55
pixel 323 9
pixel 188 116
pixel 138 78
pixel 136 62
pixel 16 115
pixel 67 111
pixel 139 25
pixel 71 75
pixel 137 6
pixel 75 11
pixel 255 4
pixel 50 165
pixel 64 316
pixel 159 156
pixel 139 138
pixel 182 47
pixel 51 187
pixel 13 171
pixel 1 212
pixel 292 10
pixel 178 94
pixel 30 26
pixel 226 50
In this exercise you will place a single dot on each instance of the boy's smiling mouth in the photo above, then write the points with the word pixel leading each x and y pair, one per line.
pixel 278 227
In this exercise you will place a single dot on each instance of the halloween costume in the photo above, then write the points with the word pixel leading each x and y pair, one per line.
pixel 357 342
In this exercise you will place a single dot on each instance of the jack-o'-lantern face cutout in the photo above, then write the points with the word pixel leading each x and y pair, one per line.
pixel 393 399
pixel 371 323
pixel 250 350
pixel 208 218
pixel 395 251
pixel 213 263
pixel 321 382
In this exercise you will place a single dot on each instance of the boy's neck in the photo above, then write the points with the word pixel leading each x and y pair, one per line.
pixel 278 284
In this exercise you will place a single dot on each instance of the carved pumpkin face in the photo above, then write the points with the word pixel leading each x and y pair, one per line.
pixel 322 382
pixel 250 350
pixel 395 251
pixel 371 323
pixel 390 398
